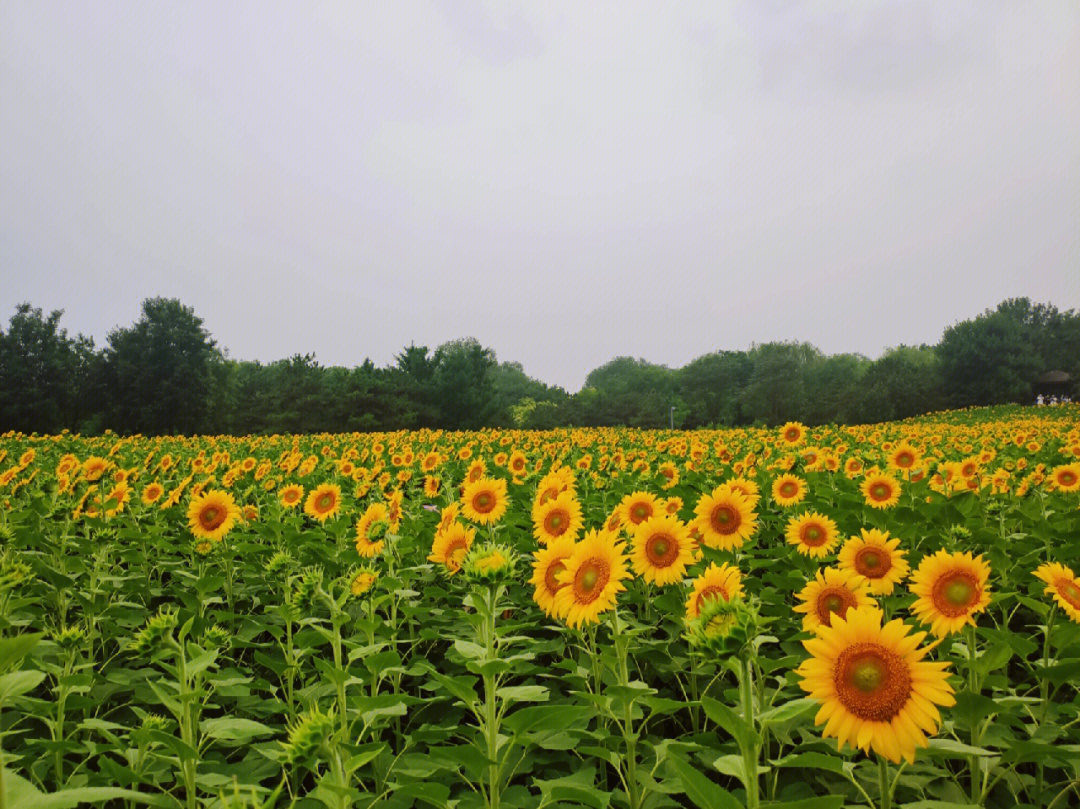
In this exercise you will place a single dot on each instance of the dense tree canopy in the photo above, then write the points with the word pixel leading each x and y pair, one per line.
pixel 165 374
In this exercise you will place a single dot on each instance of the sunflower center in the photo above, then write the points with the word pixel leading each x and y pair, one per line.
pixel 590 581
pixel 551 581
pixel 955 593
pixel 788 489
pixel 880 491
pixel 834 601
pixel 1067 478
pixel 792 434
pixel 1069 590
pixel 211 517
pixel 725 519
pixel 872 563
pixel 662 549
pixel 325 501
pixel 708 593
pixel 814 535
pixel 872 682
pixel 483 502
pixel 639 512
pixel 905 459
pixel 557 522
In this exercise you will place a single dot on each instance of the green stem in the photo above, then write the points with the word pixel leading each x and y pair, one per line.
pixel 746 694
pixel 973 687
pixel 629 736
pixel 186 730
pixel 491 717
pixel 883 782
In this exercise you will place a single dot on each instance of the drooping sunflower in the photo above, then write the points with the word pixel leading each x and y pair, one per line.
pixel 788 490
pixel 450 546
pixel 723 582
pixel 212 515
pixel 832 593
pixel 877 558
pixel 1066 477
pixel 367 544
pixel 877 691
pixel 812 534
pixel 323 502
pixel 291 495
pixel 661 549
pixel 724 519
pixel 558 517
pixel 951 588
pixel 94 467
pixel 1063 585
pixel 880 490
pixel 593 577
pixel 548 563
pixel 431 486
pixel 636 507
pixel 484 501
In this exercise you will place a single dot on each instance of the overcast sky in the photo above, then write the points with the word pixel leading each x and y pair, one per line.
pixel 566 182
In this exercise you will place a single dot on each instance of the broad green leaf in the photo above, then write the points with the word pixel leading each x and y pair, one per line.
pixel 235 729
pixel 698 788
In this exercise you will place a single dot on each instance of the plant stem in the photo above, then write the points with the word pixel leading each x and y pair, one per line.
pixel 746 693
pixel 883 782
pixel 973 687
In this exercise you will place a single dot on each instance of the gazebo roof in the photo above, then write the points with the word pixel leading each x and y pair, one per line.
pixel 1054 377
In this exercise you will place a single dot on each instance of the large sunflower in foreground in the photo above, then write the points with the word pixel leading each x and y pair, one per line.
pixel 1066 477
pixel 548 563
pixel 876 558
pixel 662 549
pixel 725 519
pixel 323 502
pixel 812 534
pixel 593 577
pixel 831 594
pixel 212 515
pixel 877 691
pixel 557 517
pixel 951 588
pixel 484 500
pixel 880 490
pixel 723 582
pixel 1063 585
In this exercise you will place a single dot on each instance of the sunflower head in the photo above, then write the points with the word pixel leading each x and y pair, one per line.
pixel 1063 585
pixel 952 589
pixel 722 628
pixel 593 575
pixel 490 563
pixel 661 549
pixel 307 733
pixel 362 580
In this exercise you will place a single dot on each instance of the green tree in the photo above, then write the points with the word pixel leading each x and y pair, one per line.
pixel 711 385
pixel 992 359
pixel 461 384
pixel 905 382
pixel 160 370
pixel 777 389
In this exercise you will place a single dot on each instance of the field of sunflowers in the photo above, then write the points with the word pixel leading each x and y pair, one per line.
pixel 872 616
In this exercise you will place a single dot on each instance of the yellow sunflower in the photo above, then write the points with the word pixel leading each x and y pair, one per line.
pixel 1066 477
pixel 291 495
pixel 812 534
pixel 831 594
pixel 661 549
pixel 724 519
pixel 788 490
pixel 368 545
pixel 323 502
pixel 877 691
pixel 484 500
pixel 792 434
pixel 450 546
pixel 152 492
pixel 548 563
pixel 557 517
pixel 1063 585
pixel 951 588
pixel 723 582
pixel 593 574
pixel 903 457
pixel 639 506
pixel 876 558
pixel 212 515
pixel 880 490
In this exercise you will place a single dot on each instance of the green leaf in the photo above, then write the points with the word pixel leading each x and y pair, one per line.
pixel 700 789
pixel 16 683
pixel 13 650
pixel 234 729
pixel 726 718
pixel 21 794
pixel 822 802
pixel 788 711
pixel 523 693
pixel 812 761
pixel 949 748
pixel 542 718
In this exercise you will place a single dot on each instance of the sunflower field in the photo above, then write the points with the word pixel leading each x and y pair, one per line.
pixel 870 616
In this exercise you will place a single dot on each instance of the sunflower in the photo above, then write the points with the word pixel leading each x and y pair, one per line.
pixel 152 492
pixel 715 582
pixel 484 501
pixel 431 486
pixel 903 457
pixel 393 509
pixel 788 490
pixel 877 691
pixel 639 506
pixel 951 588
pixel 451 545
pixel 593 574
pixel 93 468
pixel 812 534
pixel 670 473
pixel 323 502
pixel 367 544
pixel 661 549
pixel 291 495
pixel 831 594
pixel 747 488
pixel 1063 585
pixel 363 580
pixel 792 434
pixel 880 490
pixel 212 515
pixel 1066 477
pixel 559 517
pixel 724 519
pixel 548 563
pixel 876 558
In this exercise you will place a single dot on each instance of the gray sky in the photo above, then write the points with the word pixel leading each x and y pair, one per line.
pixel 567 182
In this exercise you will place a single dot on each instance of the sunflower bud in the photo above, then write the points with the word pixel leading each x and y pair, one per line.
pixel 722 627
pixel 378 530
pixel 13 572
pixel 309 731
pixel 307 585
pixel 150 637
pixel 279 563
pixel 217 636
pixel 69 638
pixel 489 563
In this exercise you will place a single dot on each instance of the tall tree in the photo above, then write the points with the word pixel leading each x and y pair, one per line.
pixel 160 370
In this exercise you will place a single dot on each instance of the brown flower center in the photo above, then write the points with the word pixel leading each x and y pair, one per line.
pixel 872 682
pixel 591 579
pixel 662 549
pixel 955 593
pixel 725 519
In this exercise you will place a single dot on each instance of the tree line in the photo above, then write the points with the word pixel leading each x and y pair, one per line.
pixel 165 374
